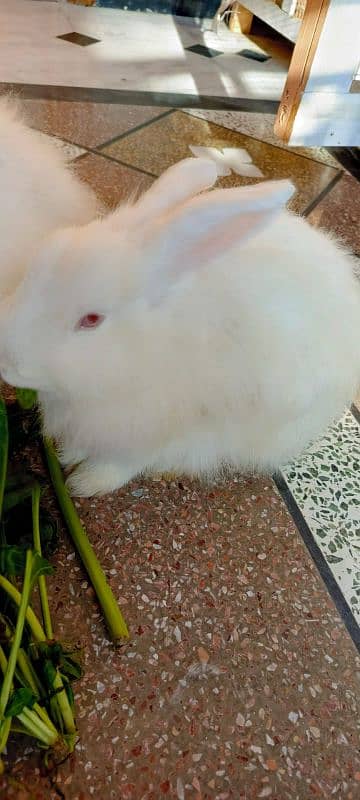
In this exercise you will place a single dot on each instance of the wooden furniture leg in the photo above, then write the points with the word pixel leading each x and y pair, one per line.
pixel 240 19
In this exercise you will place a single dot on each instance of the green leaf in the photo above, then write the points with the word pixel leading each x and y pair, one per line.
pixel 17 496
pixel 70 739
pixel 40 566
pixel 26 398
pixel 70 693
pixel 49 673
pixel 12 560
pixel 70 668
pixel 20 699
pixel 49 532
pixel 19 478
pixel 48 650
pixel 17 525
pixel 54 652
pixel 24 427
pixel 4 448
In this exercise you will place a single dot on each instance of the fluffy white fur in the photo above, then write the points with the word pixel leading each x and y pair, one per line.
pixel 38 194
pixel 231 333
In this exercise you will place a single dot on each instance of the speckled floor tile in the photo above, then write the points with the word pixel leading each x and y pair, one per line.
pixel 163 143
pixel 325 484
pixel 339 212
pixel 261 126
pixel 86 124
pixel 113 182
pixel 70 151
pixel 239 681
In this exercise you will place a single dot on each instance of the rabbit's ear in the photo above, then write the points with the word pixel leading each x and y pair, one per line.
pixel 208 226
pixel 178 184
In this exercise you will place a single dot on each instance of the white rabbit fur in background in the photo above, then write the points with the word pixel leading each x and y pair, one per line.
pixel 38 194
pixel 230 333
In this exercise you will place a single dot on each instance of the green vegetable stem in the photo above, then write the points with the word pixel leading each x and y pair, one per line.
pixel 34 566
pixel 36 697
pixel 113 616
pixel 4 448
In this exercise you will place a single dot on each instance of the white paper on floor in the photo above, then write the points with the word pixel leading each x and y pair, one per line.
pixel 228 160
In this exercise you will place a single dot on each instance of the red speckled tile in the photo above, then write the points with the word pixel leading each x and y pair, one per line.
pixel 239 681
pixel 86 124
pixel 339 212
pixel 165 141
pixel 112 182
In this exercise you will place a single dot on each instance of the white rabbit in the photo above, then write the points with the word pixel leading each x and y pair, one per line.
pixel 186 335
pixel 38 193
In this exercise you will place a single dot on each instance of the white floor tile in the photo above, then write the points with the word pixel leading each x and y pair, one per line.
pixel 137 52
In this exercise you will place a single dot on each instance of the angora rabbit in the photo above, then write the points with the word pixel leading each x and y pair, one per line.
pixel 38 194
pixel 185 334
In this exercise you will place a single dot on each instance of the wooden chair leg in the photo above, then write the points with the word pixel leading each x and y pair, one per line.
pixel 240 19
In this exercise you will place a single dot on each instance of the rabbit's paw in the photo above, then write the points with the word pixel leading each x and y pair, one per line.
pixel 69 456
pixel 90 479
pixel 166 476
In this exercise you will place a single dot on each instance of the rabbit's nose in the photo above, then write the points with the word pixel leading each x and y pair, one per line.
pixel 5 371
pixel 8 368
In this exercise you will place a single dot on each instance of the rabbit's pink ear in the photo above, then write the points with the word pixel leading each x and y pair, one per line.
pixel 211 224
pixel 178 184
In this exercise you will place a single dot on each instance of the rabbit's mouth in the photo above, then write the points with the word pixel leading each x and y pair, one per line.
pixel 12 376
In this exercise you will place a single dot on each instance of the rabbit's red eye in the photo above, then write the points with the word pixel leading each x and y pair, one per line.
pixel 90 321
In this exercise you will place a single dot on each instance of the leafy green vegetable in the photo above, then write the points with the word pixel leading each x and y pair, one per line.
pixel 19 699
pixel 24 427
pixel 16 497
pixel 35 500
pixel 26 398
pixel 36 672
pixel 34 566
pixel 17 523
pixel 4 447
pixel 52 653
pixel 12 560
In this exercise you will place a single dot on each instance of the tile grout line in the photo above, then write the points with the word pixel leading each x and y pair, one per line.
pixel 137 128
pixel 337 177
pixel 90 152
pixel 40 91
pixel 96 150
pixel 291 151
pixel 99 150
pixel 319 559
pixel 36 91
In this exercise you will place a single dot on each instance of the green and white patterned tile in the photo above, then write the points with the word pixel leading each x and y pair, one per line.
pixel 325 483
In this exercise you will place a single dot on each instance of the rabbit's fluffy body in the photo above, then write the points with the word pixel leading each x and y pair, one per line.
pixel 242 365
pixel 38 194
pixel 230 335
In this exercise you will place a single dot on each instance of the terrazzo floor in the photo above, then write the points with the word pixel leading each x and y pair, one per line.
pixel 241 679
